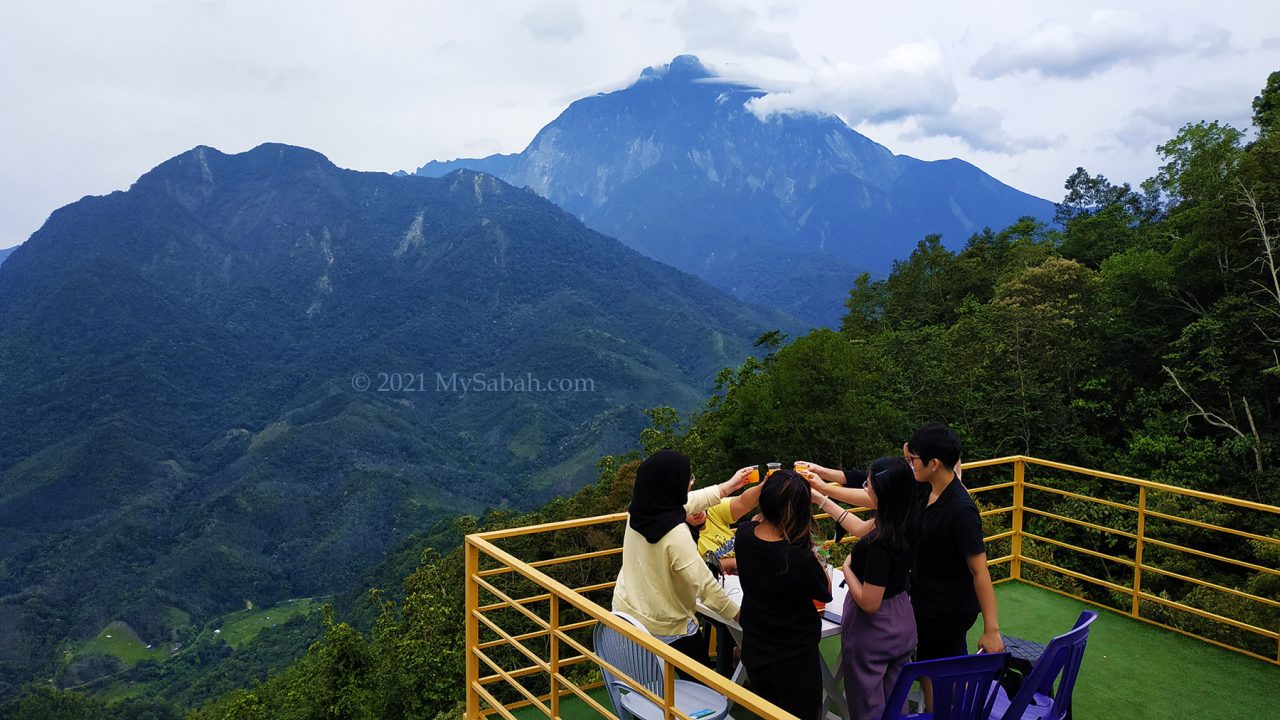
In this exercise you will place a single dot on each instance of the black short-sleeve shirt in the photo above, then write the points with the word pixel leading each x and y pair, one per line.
pixel 779 584
pixel 950 532
pixel 876 563
pixel 853 477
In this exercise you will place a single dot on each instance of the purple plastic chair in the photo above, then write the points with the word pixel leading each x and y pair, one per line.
pixel 1036 699
pixel 961 686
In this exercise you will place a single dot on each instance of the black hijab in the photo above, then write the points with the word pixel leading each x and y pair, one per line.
pixel 662 488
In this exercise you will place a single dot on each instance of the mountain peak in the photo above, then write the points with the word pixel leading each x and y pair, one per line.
pixel 682 68
pixel 202 164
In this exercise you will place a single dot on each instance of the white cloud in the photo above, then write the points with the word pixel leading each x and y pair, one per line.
pixel 910 80
pixel 98 93
pixel 981 129
pixel 1150 125
pixel 1211 41
pixel 559 21
pixel 712 25
pixel 1110 38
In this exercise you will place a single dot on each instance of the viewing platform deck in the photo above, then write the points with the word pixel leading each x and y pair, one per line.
pixel 1187 579
pixel 1131 670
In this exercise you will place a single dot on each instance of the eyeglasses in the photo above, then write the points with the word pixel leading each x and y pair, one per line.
pixel 866 484
pixel 911 459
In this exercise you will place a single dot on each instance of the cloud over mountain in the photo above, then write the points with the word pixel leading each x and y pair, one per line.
pixel 913 83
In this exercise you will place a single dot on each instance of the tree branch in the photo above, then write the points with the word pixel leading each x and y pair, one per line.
pixel 1217 420
pixel 1257 439
pixel 1213 419
pixel 1269 247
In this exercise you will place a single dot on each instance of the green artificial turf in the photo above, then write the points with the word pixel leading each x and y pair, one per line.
pixel 1132 670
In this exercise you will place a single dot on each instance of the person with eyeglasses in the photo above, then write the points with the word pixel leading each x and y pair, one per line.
pixel 950 584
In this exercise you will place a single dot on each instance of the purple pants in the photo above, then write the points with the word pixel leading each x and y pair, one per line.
pixel 873 649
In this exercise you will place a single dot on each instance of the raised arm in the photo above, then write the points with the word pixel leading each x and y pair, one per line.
pixel 852 524
pixel 853 496
pixel 743 504
pixel 850 496
pixel 827 474
pixel 703 498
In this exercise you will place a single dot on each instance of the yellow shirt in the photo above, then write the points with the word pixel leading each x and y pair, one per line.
pixel 717 531
pixel 660 583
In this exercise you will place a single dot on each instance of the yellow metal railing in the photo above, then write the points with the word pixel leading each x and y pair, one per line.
pixel 528 644
pixel 554 635
pixel 1142 539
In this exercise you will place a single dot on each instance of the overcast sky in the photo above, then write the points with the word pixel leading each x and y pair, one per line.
pixel 93 94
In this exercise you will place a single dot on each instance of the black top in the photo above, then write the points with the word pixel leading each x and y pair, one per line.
pixel 779 584
pixel 876 563
pixel 853 477
pixel 950 532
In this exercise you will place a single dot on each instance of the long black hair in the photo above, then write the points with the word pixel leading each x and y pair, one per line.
pixel 894 485
pixel 784 501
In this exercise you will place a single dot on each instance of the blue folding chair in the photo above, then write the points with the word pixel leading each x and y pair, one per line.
pixel 646 669
pixel 961 687
pixel 1036 699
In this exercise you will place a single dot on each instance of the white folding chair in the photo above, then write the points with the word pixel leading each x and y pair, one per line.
pixel 646 669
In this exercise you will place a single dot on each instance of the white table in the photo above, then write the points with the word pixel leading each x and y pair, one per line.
pixel 832 693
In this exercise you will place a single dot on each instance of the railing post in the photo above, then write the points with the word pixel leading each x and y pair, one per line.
pixel 1137 551
pixel 472 625
pixel 555 656
pixel 1019 476
pixel 668 690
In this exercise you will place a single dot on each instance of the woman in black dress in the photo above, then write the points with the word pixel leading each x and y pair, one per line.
pixel 781 577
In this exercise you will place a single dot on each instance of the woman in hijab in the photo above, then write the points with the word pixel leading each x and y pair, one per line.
pixel 662 574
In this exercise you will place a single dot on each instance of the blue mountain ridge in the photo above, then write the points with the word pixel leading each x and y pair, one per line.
pixel 784 211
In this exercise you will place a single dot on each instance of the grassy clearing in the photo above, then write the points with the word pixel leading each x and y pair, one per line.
pixel 241 627
pixel 120 641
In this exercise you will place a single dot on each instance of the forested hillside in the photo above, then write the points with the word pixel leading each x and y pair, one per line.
pixel 245 379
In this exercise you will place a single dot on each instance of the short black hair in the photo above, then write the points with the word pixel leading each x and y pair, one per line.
pixel 935 440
